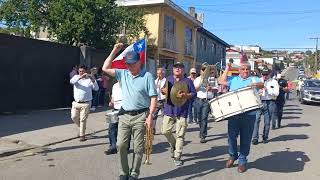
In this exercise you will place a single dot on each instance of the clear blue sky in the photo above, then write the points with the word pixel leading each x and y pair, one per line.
pixel 267 23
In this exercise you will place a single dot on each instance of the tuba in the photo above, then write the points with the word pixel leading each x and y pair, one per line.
pixel 204 81
pixel 148 144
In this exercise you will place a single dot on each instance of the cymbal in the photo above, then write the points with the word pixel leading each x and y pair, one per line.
pixel 178 86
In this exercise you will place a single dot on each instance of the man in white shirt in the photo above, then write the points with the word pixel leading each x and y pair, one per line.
pixel 116 99
pixel 268 97
pixel 83 84
pixel 205 92
pixel 160 83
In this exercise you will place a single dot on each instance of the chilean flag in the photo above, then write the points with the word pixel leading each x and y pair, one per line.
pixel 138 46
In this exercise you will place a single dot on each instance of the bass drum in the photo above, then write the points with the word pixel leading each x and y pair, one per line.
pixel 234 103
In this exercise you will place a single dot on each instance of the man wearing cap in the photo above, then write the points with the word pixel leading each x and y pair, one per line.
pixel 191 116
pixel 241 124
pixel 205 92
pixel 174 114
pixel 268 97
pixel 138 106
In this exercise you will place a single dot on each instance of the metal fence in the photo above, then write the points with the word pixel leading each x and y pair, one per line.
pixel 35 74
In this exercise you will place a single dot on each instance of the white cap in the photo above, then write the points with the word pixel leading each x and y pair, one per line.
pixel 193 70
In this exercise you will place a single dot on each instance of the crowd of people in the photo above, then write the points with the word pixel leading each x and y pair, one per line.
pixel 138 99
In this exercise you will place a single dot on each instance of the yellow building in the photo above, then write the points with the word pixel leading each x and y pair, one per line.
pixel 172 33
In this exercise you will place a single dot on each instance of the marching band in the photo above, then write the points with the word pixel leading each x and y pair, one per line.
pixel 143 98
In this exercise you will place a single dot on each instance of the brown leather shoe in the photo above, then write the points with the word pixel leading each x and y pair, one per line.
pixel 82 138
pixel 229 163
pixel 242 168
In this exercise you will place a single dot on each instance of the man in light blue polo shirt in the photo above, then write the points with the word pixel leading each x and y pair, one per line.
pixel 241 124
pixel 138 105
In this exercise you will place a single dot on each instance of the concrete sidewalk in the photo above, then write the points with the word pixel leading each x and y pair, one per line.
pixel 38 129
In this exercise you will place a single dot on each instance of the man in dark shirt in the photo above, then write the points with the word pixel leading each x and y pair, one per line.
pixel 280 101
pixel 174 114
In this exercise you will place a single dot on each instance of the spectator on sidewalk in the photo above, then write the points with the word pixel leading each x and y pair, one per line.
pixel 83 84
pixel 95 94
pixel 74 71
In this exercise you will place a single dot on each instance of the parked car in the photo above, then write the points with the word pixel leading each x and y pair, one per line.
pixel 310 91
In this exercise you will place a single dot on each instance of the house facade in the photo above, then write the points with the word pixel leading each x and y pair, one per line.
pixel 210 48
pixel 172 33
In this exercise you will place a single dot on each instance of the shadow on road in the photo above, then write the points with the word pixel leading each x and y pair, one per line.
pixel 291 117
pixel 198 168
pixel 15 124
pixel 195 129
pixel 281 162
pixel 297 125
pixel 289 137
pixel 285 112
pixel 293 109
pixel 217 137
pixel 164 147
pixel 67 148
pixel 291 105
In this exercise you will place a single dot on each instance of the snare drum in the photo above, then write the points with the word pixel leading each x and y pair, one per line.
pixel 112 116
pixel 235 102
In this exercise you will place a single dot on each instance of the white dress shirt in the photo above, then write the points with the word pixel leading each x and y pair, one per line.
pixel 160 84
pixel 82 88
pixel 116 95
pixel 202 92
pixel 270 90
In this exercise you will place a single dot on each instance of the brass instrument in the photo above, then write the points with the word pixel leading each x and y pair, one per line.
pixel 148 144
pixel 204 82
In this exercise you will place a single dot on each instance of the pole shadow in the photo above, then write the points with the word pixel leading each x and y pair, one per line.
pixel 297 125
pixel 291 117
pixel 292 112
pixel 289 137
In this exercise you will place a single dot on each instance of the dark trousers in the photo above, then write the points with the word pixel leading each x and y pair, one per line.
pixel 278 112
pixel 202 108
pixel 113 133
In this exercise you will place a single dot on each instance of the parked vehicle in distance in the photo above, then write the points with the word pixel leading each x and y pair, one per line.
pixel 310 91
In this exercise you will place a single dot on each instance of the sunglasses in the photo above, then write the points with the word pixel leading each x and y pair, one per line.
pixel 245 69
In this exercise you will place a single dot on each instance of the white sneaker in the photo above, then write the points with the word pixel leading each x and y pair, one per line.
pixel 93 108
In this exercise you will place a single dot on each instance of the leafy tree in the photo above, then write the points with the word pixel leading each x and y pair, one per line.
pixel 92 22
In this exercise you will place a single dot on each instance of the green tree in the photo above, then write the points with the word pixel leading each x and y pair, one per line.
pixel 92 22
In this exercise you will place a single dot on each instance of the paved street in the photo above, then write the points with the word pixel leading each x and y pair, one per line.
pixel 292 152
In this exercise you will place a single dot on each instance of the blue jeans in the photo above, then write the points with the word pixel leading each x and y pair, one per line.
pixel 267 111
pixel 190 112
pixel 202 108
pixel 242 125
pixel 113 132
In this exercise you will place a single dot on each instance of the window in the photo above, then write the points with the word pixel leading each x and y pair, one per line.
pixel 188 41
pixel 203 43
pixel 213 48
pixel 169 35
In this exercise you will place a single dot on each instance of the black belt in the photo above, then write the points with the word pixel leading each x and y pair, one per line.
pixel 203 99
pixel 83 101
pixel 135 112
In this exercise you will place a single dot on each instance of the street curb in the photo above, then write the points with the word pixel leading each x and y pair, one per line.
pixel 20 150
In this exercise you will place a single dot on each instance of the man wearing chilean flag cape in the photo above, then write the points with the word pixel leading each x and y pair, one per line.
pixel 138 104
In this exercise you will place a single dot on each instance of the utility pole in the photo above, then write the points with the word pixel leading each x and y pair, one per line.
pixel 316 58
